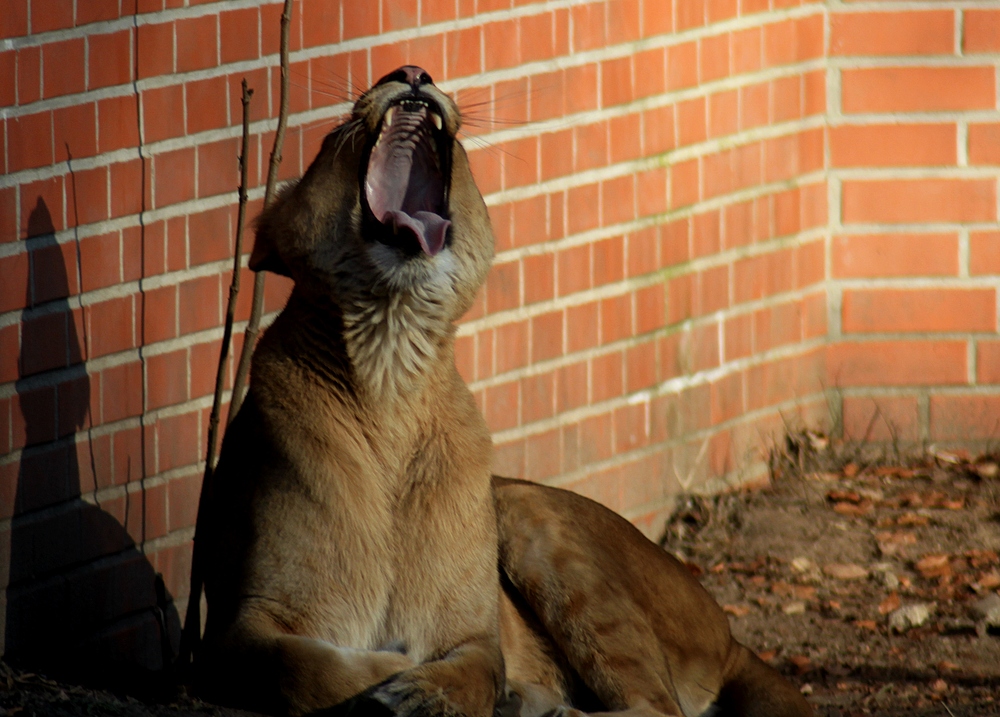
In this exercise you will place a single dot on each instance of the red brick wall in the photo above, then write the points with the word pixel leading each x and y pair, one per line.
pixel 710 216
pixel 913 151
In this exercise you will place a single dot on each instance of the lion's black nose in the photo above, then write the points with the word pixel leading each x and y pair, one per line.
pixel 410 74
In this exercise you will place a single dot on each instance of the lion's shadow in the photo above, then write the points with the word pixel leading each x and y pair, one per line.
pixel 82 601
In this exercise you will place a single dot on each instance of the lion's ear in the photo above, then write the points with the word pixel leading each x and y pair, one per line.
pixel 264 256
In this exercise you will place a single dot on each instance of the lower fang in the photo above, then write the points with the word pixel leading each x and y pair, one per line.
pixel 437 120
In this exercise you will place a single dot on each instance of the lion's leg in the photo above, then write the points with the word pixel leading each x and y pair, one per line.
pixel 291 674
pixel 466 682
pixel 313 674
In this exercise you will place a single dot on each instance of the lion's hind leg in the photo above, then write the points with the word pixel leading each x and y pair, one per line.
pixel 755 689
pixel 595 585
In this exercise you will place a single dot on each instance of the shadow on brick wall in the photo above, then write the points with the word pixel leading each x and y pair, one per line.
pixel 82 601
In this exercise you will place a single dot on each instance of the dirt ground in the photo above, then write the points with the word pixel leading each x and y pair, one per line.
pixel 871 581
pixel 820 570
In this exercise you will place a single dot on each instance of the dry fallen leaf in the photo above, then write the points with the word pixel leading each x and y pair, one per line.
pixel 866 625
pixel 949 457
pixel 946 666
pixel 912 519
pixel 910 499
pixel 796 607
pixel 988 581
pixel 850 470
pixel 855 509
pixel 987 469
pixel 782 588
pixel 939 685
pixel 845 571
pixel 818 441
pixel 767 655
pixel 802 564
pixel 982 558
pixel 892 602
pixel 736 610
pixel 804 592
pixel 843 495
pixel 934 565
pixel 801 662
pixel 890 543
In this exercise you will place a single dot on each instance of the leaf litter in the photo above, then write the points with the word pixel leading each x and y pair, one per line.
pixel 871 580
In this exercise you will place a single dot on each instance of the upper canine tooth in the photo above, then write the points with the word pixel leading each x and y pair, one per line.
pixel 388 116
pixel 437 119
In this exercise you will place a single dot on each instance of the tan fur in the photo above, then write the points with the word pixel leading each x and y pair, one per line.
pixel 353 533
pixel 357 465
pixel 604 606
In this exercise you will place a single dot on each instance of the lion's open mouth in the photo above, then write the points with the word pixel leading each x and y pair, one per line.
pixel 406 181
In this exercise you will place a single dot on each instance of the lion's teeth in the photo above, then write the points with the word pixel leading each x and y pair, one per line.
pixel 437 120
pixel 388 116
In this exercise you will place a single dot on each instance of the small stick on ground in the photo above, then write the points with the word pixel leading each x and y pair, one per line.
pixel 192 620
pixel 253 325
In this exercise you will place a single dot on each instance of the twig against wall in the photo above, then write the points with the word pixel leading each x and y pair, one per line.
pixel 234 288
pixel 192 620
pixel 253 325
pixel 191 634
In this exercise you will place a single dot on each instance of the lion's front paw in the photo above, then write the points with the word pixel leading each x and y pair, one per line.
pixel 395 697
pixel 409 697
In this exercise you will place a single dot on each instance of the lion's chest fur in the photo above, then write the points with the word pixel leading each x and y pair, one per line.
pixel 354 505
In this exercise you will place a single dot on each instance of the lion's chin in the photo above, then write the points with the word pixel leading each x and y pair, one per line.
pixel 406 179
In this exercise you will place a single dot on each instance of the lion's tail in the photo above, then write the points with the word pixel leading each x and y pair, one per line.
pixel 752 688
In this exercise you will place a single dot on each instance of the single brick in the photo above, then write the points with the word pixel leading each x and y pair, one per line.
pixel 964 417
pixel 166 379
pixel 883 255
pixel 897 363
pixel 894 145
pixel 197 43
pixel 919 200
pixel 918 89
pixel 110 58
pixel 918 310
pixel 881 418
pixel 893 33
pixel 984 143
pixel 982 30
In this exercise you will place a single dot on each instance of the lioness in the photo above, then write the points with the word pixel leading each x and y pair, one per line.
pixel 353 535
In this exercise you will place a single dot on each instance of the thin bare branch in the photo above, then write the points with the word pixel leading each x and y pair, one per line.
pixel 253 325
pixel 192 620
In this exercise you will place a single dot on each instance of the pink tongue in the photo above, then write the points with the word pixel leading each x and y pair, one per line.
pixel 429 228
pixel 403 184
